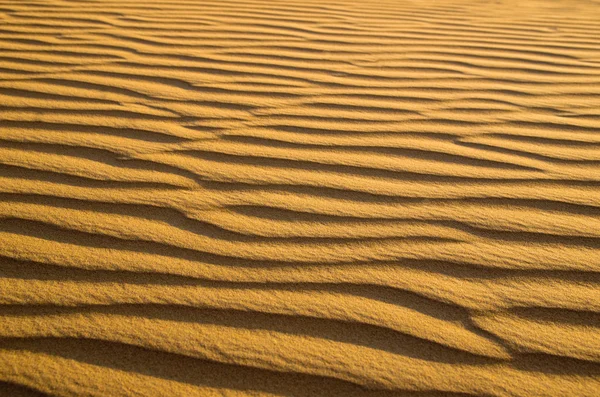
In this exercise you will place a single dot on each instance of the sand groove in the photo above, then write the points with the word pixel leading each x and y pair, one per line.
pixel 300 198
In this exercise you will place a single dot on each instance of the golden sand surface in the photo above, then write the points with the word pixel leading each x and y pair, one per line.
pixel 300 198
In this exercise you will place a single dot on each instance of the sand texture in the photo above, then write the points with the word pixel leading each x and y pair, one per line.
pixel 300 198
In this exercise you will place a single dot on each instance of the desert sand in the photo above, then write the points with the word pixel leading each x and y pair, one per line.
pixel 300 198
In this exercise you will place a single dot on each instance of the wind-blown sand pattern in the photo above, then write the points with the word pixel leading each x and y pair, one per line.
pixel 300 198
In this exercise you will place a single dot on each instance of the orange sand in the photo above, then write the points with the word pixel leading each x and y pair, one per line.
pixel 300 198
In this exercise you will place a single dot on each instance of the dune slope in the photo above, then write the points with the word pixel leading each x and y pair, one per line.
pixel 300 198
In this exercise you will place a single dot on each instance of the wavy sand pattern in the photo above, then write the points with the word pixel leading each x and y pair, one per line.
pixel 300 198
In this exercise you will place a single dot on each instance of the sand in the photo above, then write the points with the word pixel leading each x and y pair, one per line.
pixel 300 198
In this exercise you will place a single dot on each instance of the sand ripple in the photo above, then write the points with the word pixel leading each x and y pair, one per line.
pixel 300 198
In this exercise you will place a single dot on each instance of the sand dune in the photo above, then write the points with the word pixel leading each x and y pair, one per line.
pixel 300 198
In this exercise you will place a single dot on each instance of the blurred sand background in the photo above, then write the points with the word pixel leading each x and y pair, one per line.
pixel 300 198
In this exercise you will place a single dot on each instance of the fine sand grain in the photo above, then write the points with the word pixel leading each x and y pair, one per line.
pixel 300 198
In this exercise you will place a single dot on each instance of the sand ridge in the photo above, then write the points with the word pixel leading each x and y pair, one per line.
pixel 300 198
